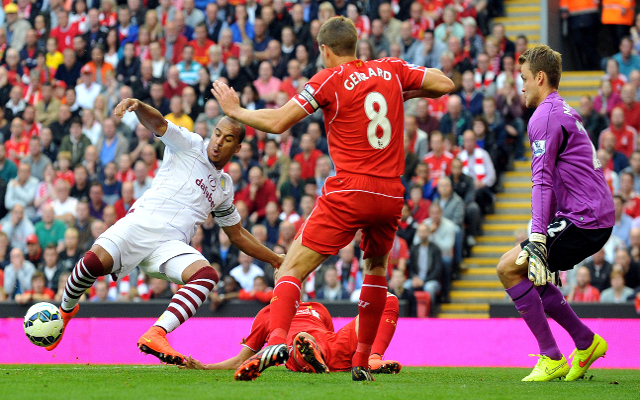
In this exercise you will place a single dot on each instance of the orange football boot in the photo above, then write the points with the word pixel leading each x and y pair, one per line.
pixel 155 342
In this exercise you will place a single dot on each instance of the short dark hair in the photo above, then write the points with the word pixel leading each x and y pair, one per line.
pixel 340 35
pixel 76 121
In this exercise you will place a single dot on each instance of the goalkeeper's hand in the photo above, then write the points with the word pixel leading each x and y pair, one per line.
pixel 535 252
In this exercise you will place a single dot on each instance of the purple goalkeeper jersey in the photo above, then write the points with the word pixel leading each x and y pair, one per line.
pixel 567 176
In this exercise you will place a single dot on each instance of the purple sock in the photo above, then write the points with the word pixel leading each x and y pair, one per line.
pixel 557 307
pixel 529 305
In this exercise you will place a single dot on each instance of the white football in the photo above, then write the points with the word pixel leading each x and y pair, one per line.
pixel 43 324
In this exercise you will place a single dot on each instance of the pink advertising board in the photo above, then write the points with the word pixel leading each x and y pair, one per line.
pixel 417 342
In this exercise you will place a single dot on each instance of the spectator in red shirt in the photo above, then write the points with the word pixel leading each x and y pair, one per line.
pixel 123 205
pixel 295 81
pixel 173 86
pixel 201 45
pixel 625 134
pixel 583 292
pixel 172 43
pixel 614 76
pixel 18 146
pixel 308 157
pixel 227 46
pixel 257 194
pixel 632 201
pixel 125 172
pixel 38 290
pixel 630 106
pixel 438 160
pixel 259 292
pixel 418 205
pixel 148 155
pixel 419 22
pixel 65 31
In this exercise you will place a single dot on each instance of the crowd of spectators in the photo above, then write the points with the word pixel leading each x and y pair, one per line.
pixel 69 170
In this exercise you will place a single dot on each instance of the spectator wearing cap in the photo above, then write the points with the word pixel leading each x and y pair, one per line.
pixel 16 26
pixel 88 90
pixel 34 251
pixel 22 190
pixel 17 227
pixel 18 274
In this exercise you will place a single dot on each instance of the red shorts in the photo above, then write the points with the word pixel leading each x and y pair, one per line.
pixel 336 348
pixel 352 202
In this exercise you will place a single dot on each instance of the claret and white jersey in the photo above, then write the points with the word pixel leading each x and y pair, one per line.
pixel 187 187
pixel 161 223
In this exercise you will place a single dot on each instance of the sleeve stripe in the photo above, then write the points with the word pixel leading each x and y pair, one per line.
pixel 224 213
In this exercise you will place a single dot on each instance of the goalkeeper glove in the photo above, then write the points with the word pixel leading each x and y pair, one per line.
pixel 535 253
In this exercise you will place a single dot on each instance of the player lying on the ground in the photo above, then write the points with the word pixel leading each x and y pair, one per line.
pixel 156 231
pixel 314 346
pixel 572 213
pixel 362 103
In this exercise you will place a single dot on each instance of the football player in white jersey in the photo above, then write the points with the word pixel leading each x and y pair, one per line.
pixel 156 232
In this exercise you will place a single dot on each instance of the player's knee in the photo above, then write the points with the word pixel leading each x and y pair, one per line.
pixel 505 265
pixel 206 272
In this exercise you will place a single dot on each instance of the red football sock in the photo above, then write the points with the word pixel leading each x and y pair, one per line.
pixel 387 327
pixel 373 297
pixel 284 305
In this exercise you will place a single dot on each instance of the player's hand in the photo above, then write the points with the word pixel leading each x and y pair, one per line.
pixel 535 253
pixel 226 97
pixel 278 263
pixel 191 363
pixel 124 106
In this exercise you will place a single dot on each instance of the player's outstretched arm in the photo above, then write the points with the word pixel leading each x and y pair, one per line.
pixel 266 120
pixel 434 85
pixel 232 363
pixel 248 244
pixel 148 116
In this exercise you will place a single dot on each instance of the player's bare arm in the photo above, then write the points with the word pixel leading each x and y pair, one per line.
pixel 267 120
pixel 434 85
pixel 229 364
pixel 148 116
pixel 248 244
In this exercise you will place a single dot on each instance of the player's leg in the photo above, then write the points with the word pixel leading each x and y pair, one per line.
pixel 529 305
pixel 96 262
pixel 298 264
pixel 190 269
pixel 373 297
pixel 386 330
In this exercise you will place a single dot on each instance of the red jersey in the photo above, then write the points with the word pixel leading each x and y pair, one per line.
pixel 201 53
pixel 308 164
pixel 438 165
pixel 65 36
pixel 310 318
pixel 20 148
pixel 364 113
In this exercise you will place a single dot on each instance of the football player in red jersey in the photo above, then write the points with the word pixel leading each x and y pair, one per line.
pixel 315 347
pixel 363 112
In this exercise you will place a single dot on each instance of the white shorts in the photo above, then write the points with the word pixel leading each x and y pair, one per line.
pixel 138 241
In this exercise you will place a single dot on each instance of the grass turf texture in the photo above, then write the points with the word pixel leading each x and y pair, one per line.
pixel 158 382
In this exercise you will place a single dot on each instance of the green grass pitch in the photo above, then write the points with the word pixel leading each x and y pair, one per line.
pixel 167 382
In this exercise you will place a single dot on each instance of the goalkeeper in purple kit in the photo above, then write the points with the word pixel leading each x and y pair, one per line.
pixel 572 214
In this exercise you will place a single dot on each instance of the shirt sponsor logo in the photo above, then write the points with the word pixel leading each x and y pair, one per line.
pixel 538 147
pixel 202 184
